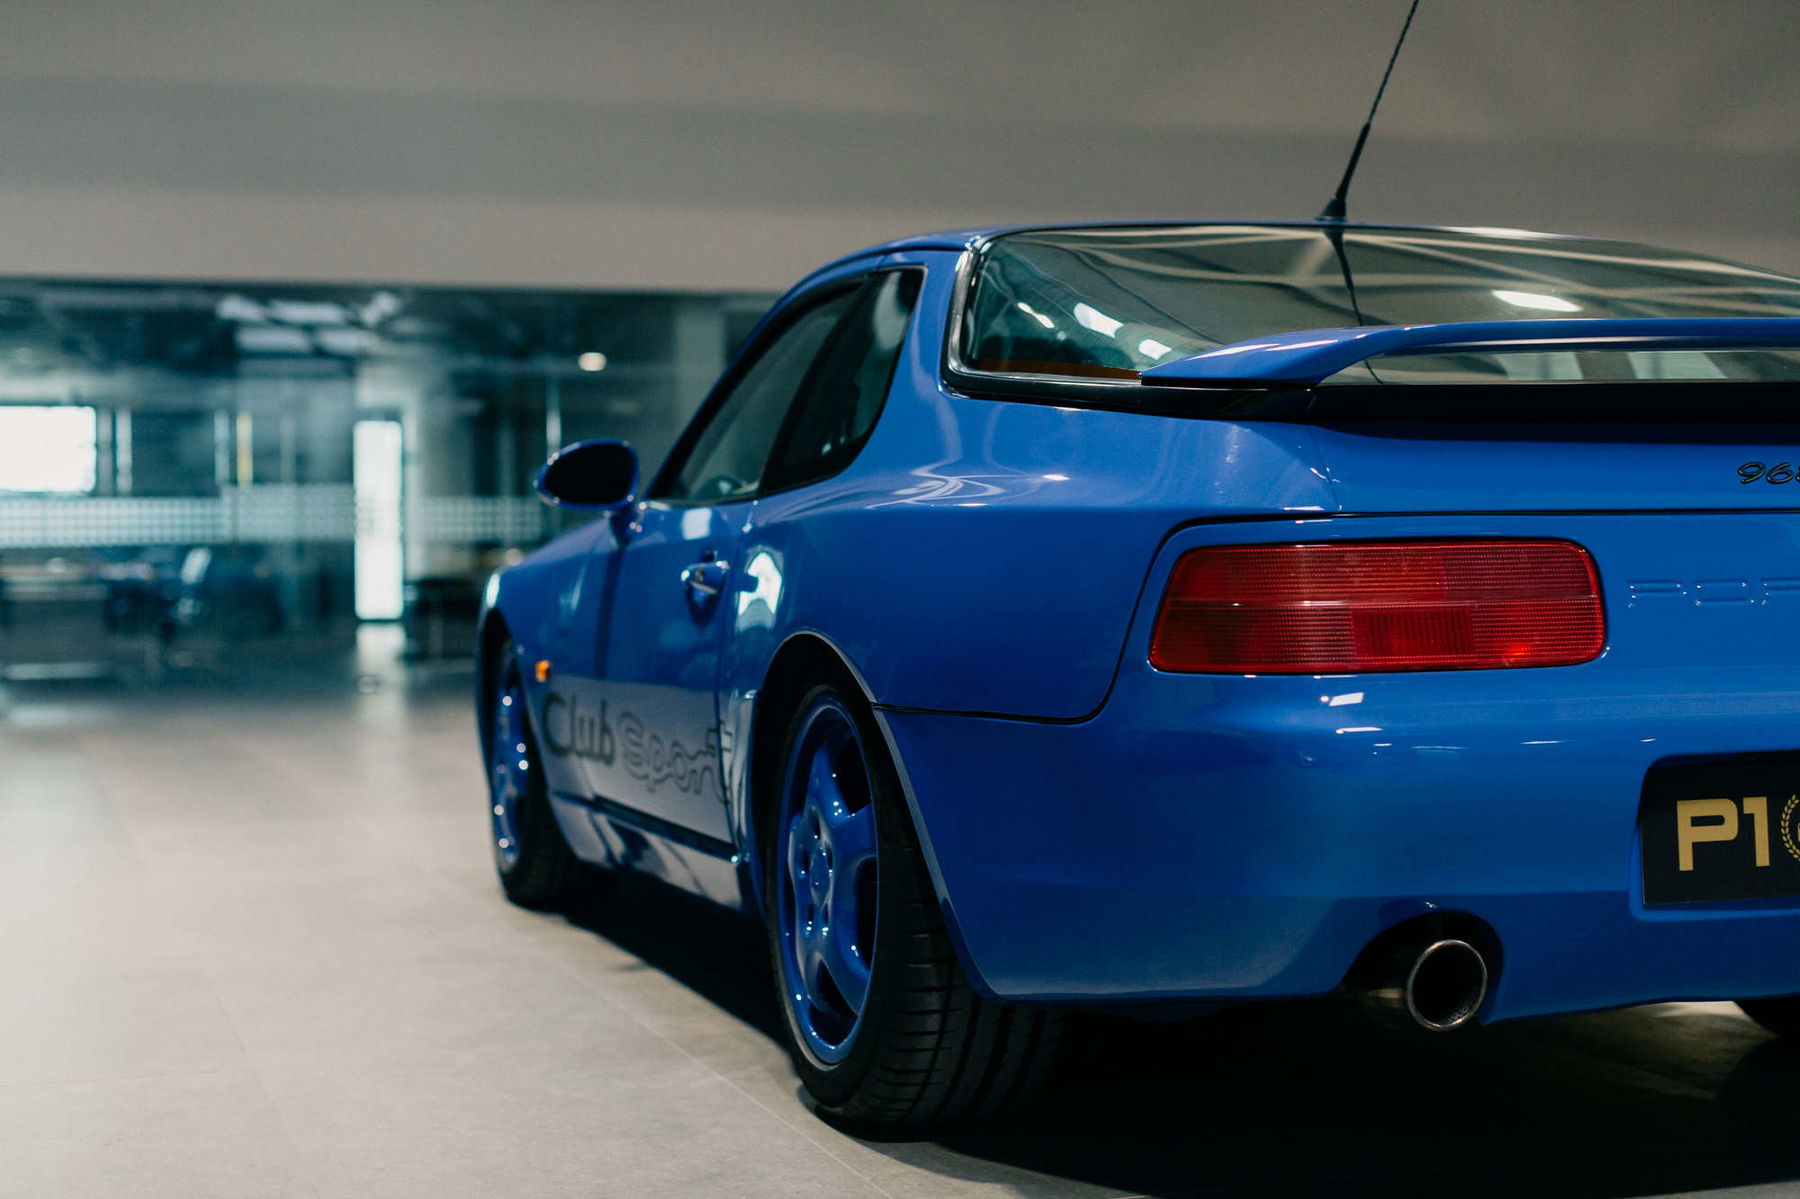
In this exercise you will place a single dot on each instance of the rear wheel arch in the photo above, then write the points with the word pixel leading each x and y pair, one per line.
pixel 804 661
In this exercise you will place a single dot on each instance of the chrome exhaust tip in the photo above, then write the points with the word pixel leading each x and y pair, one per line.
pixel 1437 985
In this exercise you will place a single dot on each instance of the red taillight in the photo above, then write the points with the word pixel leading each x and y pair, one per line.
pixel 1352 607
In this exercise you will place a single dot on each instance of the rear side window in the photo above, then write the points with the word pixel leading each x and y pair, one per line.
pixel 845 391
pixel 727 459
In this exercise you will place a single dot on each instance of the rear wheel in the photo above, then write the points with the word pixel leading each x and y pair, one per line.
pixel 536 867
pixel 1780 1015
pixel 882 1024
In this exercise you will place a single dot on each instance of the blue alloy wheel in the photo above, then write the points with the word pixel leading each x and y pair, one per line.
pixel 536 866
pixel 509 765
pixel 827 885
pixel 909 1043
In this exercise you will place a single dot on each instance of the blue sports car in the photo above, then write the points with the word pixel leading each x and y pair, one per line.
pixel 1163 617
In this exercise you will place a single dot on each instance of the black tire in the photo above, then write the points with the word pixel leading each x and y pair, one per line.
pixel 537 869
pixel 1780 1015
pixel 929 1050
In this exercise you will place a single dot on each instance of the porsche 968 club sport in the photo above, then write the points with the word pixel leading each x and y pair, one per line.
pixel 1186 615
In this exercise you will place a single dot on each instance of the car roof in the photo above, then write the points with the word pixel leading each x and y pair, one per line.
pixel 962 239
pixel 956 239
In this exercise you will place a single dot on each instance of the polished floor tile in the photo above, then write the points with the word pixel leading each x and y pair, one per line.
pixel 188 1135
pixel 253 946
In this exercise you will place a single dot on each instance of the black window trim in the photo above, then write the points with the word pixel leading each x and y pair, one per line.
pixel 727 383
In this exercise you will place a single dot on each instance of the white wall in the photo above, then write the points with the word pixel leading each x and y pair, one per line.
pixel 716 144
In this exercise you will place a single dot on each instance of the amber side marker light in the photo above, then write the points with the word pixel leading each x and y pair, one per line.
pixel 1362 606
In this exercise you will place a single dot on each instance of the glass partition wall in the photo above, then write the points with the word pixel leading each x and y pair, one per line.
pixel 201 479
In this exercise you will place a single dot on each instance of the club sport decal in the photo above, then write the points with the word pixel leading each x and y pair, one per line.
pixel 574 729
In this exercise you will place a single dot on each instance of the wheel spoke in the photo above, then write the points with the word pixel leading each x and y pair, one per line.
pixel 852 837
pixel 840 958
pixel 812 954
pixel 822 788
pixel 796 859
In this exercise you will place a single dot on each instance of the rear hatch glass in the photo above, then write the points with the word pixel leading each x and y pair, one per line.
pixel 1103 304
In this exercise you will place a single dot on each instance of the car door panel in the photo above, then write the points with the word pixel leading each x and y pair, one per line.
pixel 648 725
pixel 642 719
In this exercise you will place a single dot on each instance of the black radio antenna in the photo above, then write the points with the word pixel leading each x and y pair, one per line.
pixel 1334 207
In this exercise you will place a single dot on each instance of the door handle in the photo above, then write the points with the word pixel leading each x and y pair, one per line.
pixel 705 578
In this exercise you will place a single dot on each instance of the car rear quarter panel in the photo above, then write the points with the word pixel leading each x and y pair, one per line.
pixel 983 555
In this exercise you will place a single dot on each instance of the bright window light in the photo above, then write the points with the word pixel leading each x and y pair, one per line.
pixel 1531 299
pixel 48 449
pixel 379 558
pixel 1099 322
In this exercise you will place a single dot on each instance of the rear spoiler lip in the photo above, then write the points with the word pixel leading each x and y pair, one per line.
pixel 1309 357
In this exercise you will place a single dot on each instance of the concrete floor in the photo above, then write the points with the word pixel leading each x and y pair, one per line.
pixel 253 947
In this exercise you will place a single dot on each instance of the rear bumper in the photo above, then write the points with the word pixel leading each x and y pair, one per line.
pixel 1240 838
